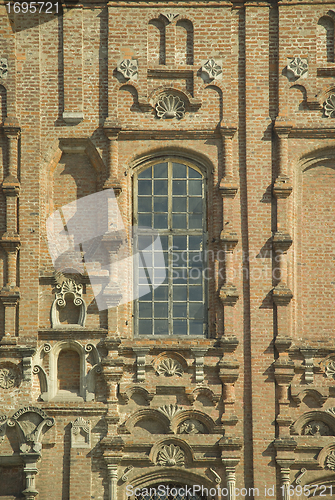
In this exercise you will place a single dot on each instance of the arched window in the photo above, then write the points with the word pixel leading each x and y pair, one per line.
pixel 170 199
pixel 68 372
pixel 325 40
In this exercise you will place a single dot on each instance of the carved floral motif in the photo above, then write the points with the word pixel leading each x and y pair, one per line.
pixel 317 428
pixel 329 107
pixel 128 68
pixel 297 66
pixel 3 68
pixel 191 426
pixel 170 106
pixel 8 378
pixel 170 367
pixel 171 455
pixel 212 69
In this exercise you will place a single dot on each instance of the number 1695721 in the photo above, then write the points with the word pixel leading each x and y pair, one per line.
pixel 32 7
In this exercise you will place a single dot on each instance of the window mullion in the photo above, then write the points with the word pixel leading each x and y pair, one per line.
pixel 170 253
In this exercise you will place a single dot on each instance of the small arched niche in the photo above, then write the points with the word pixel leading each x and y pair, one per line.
pixel 156 42
pixel 68 373
pixel 325 40
pixel 184 42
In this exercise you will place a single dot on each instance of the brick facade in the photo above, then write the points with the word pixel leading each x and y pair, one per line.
pixel 242 93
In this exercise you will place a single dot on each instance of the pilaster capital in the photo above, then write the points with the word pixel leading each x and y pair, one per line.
pixel 12 127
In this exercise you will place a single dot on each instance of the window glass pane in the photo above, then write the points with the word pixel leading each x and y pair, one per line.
pixel 195 259
pixel 160 187
pixel 145 309
pixel 179 221
pixel 161 259
pixel 145 259
pixel 144 294
pixel 161 309
pixel 195 242
pixel 180 242
pixel 179 259
pixel 160 221
pixel 146 174
pixel 196 310
pixel 161 170
pixel 179 188
pixel 193 173
pixel 195 221
pixel 195 276
pixel 145 327
pixel 144 204
pixel 179 171
pixel 180 293
pixel 179 310
pixel 160 204
pixel 144 220
pixel 195 205
pixel 164 242
pixel 179 276
pixel 159 275
pixel 196 327
pixel 195 293
pixel 144 187
pixel 179 205
pixel 162 293
pixel 194 187
pixel 161 327
pixel 144 242
pixel 179 327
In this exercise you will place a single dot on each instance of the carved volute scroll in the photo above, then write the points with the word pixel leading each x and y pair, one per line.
pixel 67 289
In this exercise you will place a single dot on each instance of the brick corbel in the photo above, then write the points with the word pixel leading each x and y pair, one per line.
pixel 309 354
pixel 228 374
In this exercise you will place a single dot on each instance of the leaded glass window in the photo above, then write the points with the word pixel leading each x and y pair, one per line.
pixel 170 199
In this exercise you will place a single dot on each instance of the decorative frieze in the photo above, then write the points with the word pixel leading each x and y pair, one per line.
pixel 170 106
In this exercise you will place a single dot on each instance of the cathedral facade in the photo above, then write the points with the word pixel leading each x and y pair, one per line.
pixel 167 235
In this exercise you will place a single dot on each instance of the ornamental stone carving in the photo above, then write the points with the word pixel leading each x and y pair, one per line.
pixel 170 16
pixel 8 378
pixel 191 426
pixel 329 106
pixel 170 367
pixel 298 66
pixel 170 106
pixel 170 410
pixel 3 68
pixel 329 367
pixel 171 455
pixel 330 461
pixel 212 69
pixel 316 428
pixel 66 288
pixel 80 433
pixel 128 68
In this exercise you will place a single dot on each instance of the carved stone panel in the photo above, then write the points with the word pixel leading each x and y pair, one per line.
pixel 128 68
pixel 298 66
pixel 171 455
pixel 8 377
pixel 3 68
pixel 81 433
pixel 316 428
pixel 170 367
pixel 191 426
pixel 170 106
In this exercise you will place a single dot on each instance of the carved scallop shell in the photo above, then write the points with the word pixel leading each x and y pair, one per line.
pixel 330 368
pixel 171 455
pixel 170 106
pixel 330 461
pixel 170 410
pixel 330 112
pixel 170 367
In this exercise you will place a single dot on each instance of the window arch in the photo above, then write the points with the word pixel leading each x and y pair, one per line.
pixel 170 200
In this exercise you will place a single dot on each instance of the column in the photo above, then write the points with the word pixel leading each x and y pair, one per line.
pixel 10 241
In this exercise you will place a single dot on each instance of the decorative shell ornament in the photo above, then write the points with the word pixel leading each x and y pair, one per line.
pixel 171 455
pixel 330 461
pixel 128 68
pixel 297 66
pixel 170 16
pixel 170 367
pixel 329 107
pixel 170 106
pixel 170 410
